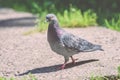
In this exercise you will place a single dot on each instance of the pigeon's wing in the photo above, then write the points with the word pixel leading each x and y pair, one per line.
pixel 73 42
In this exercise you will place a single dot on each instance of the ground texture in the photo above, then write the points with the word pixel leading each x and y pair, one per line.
pixel 23 54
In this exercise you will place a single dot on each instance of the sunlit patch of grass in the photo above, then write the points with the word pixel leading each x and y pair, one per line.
pixel 28 77
pixel 70 18
pixel 3 78
pixel 112 77
pixel 119 72
pixel 41 24
pixel 75 18
pixel 30 31
pixel 114 23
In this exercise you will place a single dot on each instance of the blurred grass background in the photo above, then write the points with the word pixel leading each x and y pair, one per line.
pixel 71 13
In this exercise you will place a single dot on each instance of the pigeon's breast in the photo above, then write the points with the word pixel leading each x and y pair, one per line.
pixel 60 49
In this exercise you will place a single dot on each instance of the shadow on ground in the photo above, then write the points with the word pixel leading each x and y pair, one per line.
pixel 18 22
pixel 55 67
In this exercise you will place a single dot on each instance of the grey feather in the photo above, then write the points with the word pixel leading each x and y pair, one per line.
pixel 75 43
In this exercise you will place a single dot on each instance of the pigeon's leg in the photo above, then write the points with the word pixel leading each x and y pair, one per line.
pixel 66 60
pixel 73 60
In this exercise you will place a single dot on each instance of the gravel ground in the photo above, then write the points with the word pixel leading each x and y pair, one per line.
pixel 23 54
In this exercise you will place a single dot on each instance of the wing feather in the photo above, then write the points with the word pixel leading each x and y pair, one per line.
pixel 73 42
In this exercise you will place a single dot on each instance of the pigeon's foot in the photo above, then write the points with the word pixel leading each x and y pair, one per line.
pixel 73 60
pixel 62 67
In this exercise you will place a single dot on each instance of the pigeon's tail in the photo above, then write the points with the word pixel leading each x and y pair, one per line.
pixel 98 47
pixel 101 49
pixel 95 48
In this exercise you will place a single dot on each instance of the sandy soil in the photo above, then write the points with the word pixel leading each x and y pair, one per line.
pixel 23 54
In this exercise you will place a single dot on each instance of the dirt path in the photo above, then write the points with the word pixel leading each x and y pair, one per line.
pixel 22 54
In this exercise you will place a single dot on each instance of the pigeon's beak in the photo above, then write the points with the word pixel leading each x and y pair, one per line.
pixel 47 19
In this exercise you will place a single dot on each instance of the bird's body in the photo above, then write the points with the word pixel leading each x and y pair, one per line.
pixel 64 43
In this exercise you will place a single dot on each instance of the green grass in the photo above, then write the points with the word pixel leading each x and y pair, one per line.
pixel 32 77
pixel 112 77
pixel 3 78
pixel 29 77
pixel 68 15
pixel 75 18
pixel 114 23
pixel 70 18
pixel 41 24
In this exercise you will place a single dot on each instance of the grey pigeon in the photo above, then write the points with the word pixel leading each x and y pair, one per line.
pixel 64 43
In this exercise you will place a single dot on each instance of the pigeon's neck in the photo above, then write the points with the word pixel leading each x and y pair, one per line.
pixel 54 31
pixel 54 25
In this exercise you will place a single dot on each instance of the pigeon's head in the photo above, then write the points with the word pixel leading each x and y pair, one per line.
pixel 51 17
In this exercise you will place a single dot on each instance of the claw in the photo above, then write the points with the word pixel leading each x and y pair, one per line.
pixel 63 66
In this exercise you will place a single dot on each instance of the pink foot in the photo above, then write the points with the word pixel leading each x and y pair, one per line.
pixel 62 67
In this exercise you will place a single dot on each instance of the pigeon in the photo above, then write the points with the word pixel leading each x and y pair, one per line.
pixel 64 43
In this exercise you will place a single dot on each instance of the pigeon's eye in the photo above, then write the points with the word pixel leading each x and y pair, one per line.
pixel 47 17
